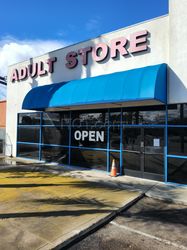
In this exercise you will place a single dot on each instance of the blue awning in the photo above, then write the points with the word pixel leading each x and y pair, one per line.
pixel 132 86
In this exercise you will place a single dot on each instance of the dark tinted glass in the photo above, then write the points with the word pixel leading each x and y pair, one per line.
pixel 115 117
pixel 177 170
pixel 131 160
pixel 28 151
pixel 131 145
pixel 55 135
pixel 2 146
pixel 29 118
pixel 177 141
pixel 29 134
pixel 131 139
pixel 90 118
pixel 89 159
pixel 94 137
pixel 154 139
pixel 130 117
pixel 55 154
pixel 151 117
pixel 56 118
pixel 144 115
pixel 177 114
pixel 154 150
pixel 115 137
pixel 154 163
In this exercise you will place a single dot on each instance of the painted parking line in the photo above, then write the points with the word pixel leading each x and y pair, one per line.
pixel 149 236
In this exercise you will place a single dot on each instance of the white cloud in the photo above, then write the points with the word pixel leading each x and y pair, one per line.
pixel 13 50
pixel 93 25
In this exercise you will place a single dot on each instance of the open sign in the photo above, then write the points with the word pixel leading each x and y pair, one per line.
pixel 89 135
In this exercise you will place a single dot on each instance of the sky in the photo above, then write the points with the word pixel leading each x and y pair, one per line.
pixel 32 28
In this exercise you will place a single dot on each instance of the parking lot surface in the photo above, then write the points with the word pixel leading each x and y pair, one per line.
pixel 149 224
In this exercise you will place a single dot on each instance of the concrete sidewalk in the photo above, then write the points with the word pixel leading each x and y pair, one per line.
pixel 43 210
pixel 154 189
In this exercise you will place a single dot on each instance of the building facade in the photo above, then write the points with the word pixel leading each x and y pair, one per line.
pixel 119 96
pixel 3 88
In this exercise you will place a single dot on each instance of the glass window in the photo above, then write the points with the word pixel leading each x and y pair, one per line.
pixel 56 118
pixel 55 135
pixel 131 144
pixel 29 134
pixel 130 117
pixel 132 139
pixel 151 117
pixel 115 117
pixel 144 115
pixel 28 151
pixel 29 118
pixel 154 163
pixel 177 114
pixel 2 143
pixel 55 154
pixel 131 160
pixel 115 137
pixel 177 141
pixel 154 139
pixel 89 158
pixel 90 118
pixel 177 170
pixel 94 137
pixel 154 150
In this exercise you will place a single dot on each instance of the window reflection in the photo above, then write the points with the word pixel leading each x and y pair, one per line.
pixel 151 117
pixel 177 170
pixel 56 118
pixel 28 151
pixel 177 114
pixel 115 117
pixel 29 118
pixel 55 135
pixel 29 134
pixel 89 118
pixel 177 141
pixel 89 158
pixel 144 115
pixel 115 138
pixel 55 154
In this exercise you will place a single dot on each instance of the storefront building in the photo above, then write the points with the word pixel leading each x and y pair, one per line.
pixel 120 96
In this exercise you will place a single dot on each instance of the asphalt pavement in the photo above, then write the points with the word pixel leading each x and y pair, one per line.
pixel 148 224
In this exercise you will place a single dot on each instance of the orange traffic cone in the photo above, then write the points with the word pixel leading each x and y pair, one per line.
pixel 113 172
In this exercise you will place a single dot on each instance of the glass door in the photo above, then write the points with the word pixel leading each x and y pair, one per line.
pixel 143 152
pixel 133 151
pixel 154 153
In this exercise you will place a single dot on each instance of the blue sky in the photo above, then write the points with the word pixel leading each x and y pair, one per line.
pixel 73 20
pixel 30 28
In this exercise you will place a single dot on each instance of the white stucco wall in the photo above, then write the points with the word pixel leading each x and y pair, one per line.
pixel 177 72
pixel 158 53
